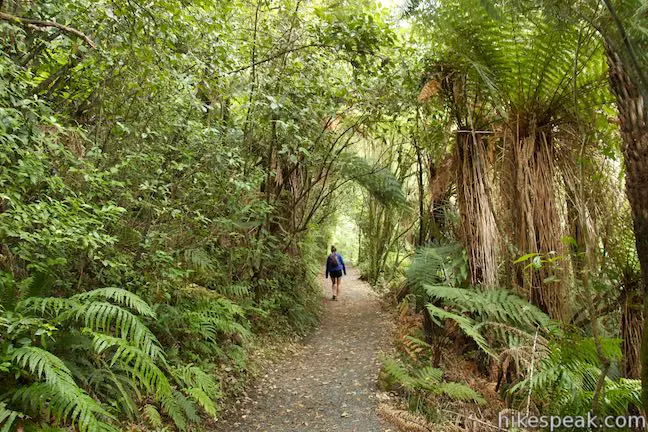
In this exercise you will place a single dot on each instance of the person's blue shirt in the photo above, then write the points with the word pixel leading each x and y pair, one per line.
pixel 330 268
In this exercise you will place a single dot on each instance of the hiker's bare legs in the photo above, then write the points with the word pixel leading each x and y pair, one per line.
pixel 333 286
pixel 337 287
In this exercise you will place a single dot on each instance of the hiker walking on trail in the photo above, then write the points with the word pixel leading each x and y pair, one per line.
pixel 335 267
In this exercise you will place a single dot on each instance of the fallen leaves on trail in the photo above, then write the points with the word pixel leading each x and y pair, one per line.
pixel 329 383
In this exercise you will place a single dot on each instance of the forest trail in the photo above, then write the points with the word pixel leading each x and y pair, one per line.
pixel 330 385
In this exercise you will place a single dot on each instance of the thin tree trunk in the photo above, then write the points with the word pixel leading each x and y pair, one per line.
pixel 631 329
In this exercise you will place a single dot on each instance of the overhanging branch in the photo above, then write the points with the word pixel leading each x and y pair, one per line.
pixel 26 22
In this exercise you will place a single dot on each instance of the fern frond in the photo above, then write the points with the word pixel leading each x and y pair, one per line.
pixel 467 325
pixel 200 386
pixel 491 305
pixel 430 380
pixel 44 365
pixel 234 290
pixel 142 368
pixel 140 365
pixel 8 417
pixel 379 182
pixel 152 415
pixel 193 376
pixel 119 296
pixel 204 400
pixel 104 317
pixel 199 259
pixel 433 264
pixel 188 407
pixel 68 404
pixel 51 306
pixel 459 391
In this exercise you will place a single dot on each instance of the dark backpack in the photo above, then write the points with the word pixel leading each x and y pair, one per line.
pixel 334 260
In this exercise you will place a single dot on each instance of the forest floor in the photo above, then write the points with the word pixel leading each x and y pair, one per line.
pixel 330 383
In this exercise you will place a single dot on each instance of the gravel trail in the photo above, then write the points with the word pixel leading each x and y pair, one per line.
pixel 330 385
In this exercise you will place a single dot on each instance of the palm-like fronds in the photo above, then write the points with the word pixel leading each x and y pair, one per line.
pixel 57 393
pixel 8 417
pixel 428 379
pixel 127 356
pixel 500 306
pixel 434 265
pixel 379 182
pixel 101 316
pixel 567 378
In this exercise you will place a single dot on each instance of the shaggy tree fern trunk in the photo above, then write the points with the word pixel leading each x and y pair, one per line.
pixel 480 235
pixel 537 226
pixel 634 132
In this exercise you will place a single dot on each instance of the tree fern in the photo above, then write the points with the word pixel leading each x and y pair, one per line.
pixel 379 182
pixel 491 305
pixel 567 378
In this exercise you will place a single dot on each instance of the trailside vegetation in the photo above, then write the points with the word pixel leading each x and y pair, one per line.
pixel 173 173
pixel 168 175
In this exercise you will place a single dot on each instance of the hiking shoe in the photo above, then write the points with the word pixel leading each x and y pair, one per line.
pixel 333 298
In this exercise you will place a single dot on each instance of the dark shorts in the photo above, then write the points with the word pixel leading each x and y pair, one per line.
pixel 336 274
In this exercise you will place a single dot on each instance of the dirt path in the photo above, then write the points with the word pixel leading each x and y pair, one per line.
pixel 331 384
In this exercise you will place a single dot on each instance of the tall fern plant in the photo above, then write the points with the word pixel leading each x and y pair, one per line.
pixel 66 359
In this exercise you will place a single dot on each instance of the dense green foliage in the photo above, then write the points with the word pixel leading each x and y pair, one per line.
pixel 172 174
pixel 167 177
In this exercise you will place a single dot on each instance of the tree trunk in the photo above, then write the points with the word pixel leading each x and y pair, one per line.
pixel 631 329
pixel 634 133
pixel 479 231
pixel 421 195
pixel 535 214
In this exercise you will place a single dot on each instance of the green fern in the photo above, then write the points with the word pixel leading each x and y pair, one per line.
pixel 428 380
pixel 433 265
pixel 461 392
pixel 8 417
pixel 119 296
pixel 379 182
pixel 200 386
pixel 101 316
pixel 234 290
pixel 152 415
pixel 467 325
pixel 134 360
pixel 199 259
pixel 567 378
pixel 498 305
pixel 58 394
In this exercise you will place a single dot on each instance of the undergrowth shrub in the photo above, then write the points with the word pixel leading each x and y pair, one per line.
pixel 513 335
pixel 89 358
